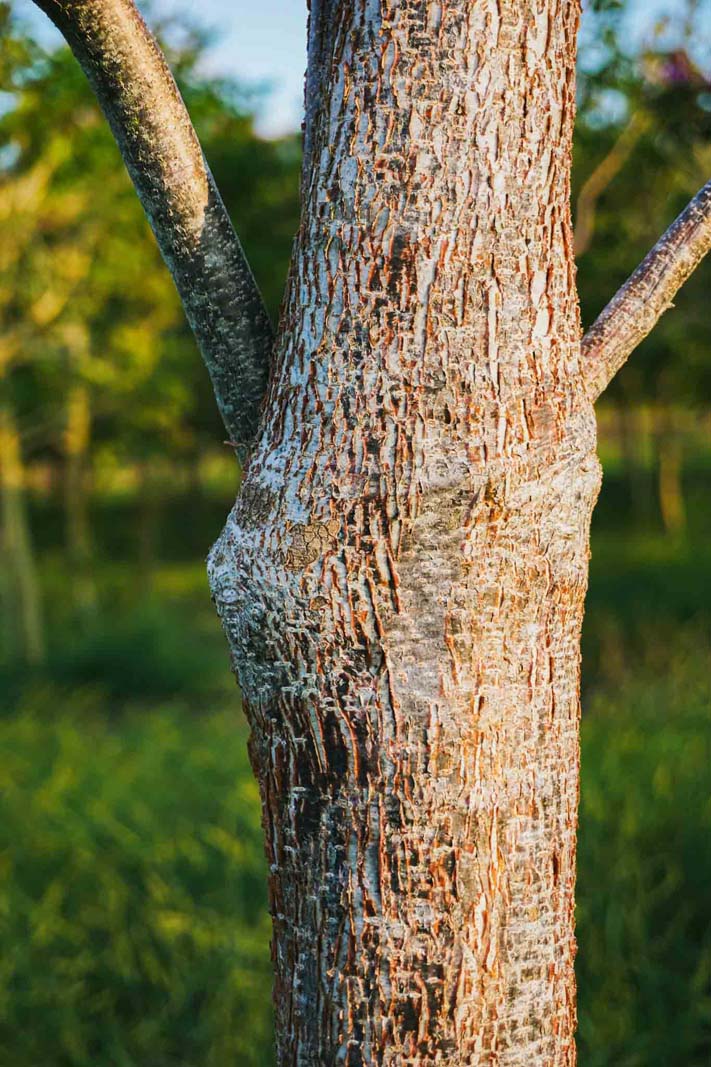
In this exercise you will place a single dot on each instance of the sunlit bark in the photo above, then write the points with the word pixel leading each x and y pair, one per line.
pixel 402 579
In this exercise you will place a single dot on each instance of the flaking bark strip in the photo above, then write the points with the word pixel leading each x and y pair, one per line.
pixel 309 542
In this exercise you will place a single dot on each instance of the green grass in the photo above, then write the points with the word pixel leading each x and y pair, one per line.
pixel 133 919
pixel 644 963
pixel 133 926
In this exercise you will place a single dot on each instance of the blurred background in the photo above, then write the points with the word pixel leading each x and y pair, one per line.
pixel 133 927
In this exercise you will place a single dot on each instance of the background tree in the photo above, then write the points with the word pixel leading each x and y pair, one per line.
pixel 118 360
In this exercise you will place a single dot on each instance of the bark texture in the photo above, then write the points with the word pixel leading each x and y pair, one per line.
pixel 152 128
pixel 402 578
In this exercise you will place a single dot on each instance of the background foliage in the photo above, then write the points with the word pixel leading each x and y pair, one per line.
pixel 133 924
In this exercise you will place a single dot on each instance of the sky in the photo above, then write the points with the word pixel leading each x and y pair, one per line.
pixel 259 42
pixel 263 43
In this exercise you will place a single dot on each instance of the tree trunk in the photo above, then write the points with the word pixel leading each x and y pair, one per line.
pixel 22 605
pixel 403 575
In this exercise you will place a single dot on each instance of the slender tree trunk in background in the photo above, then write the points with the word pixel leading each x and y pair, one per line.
pixel 669 473
pixel 150 502
pixel 634 441
pixel 601 178
pixel 671 493
pixel 22 605
pixel 402 579
pixel 77 436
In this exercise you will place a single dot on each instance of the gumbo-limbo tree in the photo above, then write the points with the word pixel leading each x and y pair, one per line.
pixel 402 577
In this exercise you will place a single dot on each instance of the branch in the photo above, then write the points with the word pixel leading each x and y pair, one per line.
pixel 604 173
pixel 141 101
pixel 646 295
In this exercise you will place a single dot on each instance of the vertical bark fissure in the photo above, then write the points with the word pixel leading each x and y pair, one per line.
pixel 402 578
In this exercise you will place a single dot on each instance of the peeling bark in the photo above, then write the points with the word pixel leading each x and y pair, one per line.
pixel 152 128
pixel 402 579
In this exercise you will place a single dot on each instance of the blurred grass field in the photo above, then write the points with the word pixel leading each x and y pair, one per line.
pixel 133 925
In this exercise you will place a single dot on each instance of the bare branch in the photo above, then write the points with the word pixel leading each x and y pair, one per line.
pixel 605 172
pixel 140 99
pixel 635 309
